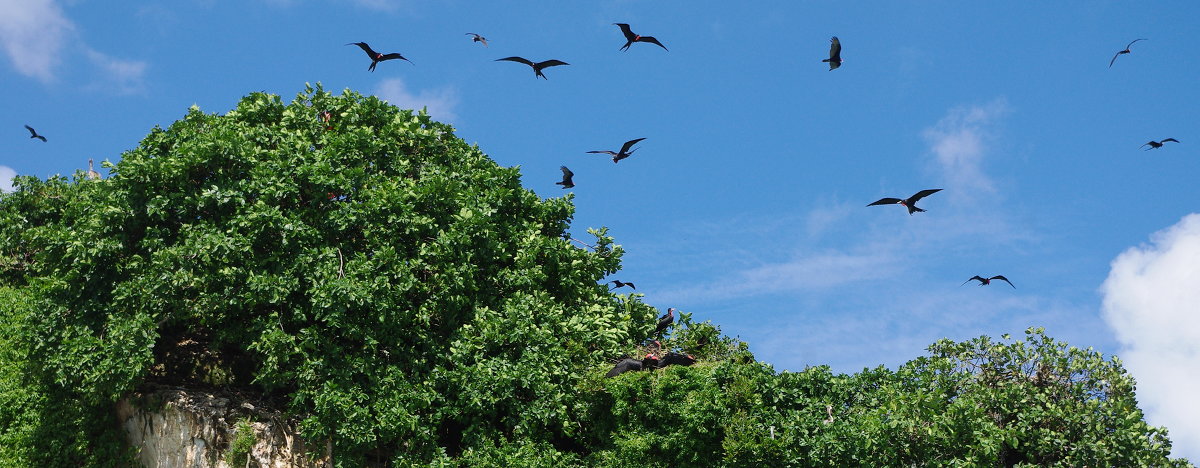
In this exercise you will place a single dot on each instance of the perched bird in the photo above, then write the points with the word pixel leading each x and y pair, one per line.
pixel 478 38
pixel 1153 144
pixel 986 281
pixel 377 57
pixel 34 134
pixel 910 202
pixel 835 53
pixel 623 366
pixel 621 284
pixel 673 358
pixel 630 37
pixel 650 362
pixel 537 67
pixel 567 182
pixel 92 174
pixel 1126 51
pixel 665 321
pixel 624 153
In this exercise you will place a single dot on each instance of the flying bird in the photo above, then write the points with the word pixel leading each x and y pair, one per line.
pixel 910 202
pixel 986 281
pixel 1126 51
pixel 1153 144
pixel 34 134
pixel 478 38
pixel 835 53
pixel 624 153
pixel 377 57
pixel 537 67
pixel 630 38
pixel 567 182
pixel 676 359
pixel 620 284
pixel 665 321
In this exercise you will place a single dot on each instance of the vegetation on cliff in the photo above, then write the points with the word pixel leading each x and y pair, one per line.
pixel 404 297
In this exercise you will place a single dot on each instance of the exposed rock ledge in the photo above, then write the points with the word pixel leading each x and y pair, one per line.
pixel 173 427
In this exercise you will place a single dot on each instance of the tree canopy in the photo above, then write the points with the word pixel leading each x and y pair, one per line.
pixel 408 300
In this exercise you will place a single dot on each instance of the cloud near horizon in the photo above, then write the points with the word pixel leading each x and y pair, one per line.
pixel 6 178
pixel 1152 304
pixel 439 102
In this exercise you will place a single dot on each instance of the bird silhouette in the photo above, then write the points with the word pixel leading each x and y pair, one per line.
pixel 630 38
pixel 676 359
pixel 986 281
pixel 537 67
pixel 567 182
pixel 620 284
pixel 1118 54
pixel 624 153
pixel 92 174
pixel 665 321
pixel 835 53
pixel 910 202
pixel 1158 144
pixel 478 38
pixel 377 57
pixel 34 134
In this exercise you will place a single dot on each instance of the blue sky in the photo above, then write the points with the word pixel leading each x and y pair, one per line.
pixel 745 205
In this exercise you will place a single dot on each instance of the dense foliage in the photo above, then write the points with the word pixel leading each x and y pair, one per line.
pixel 407 299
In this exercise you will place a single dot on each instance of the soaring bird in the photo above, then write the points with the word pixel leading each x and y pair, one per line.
pixel 835 53
pixel 665 321
pixel 92 174
pixel 986 281
pixel 537 67
pixel 623 366
pixel 677 359
pixel 377 57
pixel 625 151
pixel 1153 144
pixel 630 37
pixel 1126 51
pixel 910 202
pixel 620 284
pixel 478 38
pixel 567 182
pixel 34 134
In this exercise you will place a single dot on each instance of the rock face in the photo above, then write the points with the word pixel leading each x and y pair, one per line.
pixel 173 427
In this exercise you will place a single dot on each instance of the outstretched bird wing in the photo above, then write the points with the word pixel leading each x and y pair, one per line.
pixel 922 194
pixel 1169 139
pixel 1114 59
pixel 516 59
pixel 835 50
pixel 366 48
pixel 886 201
pixel 610 153
pixel 1131 43
pixel 629 144
pixel 395 55
pixel 567 174
pixel 1002 278
pixel 548 63
pixel 629 35
pixel 976 277
pixel 652 40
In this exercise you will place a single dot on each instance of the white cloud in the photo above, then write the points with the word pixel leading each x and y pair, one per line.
pixel 957 143
pixel 33 33
pixel 6 176
pixel 439 102
pixel 1152 303
pixel 122 76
